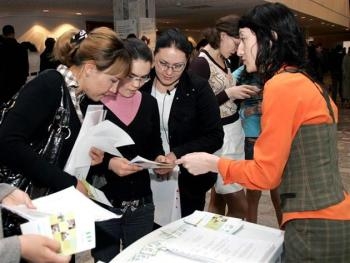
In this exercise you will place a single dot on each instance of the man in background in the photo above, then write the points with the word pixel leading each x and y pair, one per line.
pixel 13 64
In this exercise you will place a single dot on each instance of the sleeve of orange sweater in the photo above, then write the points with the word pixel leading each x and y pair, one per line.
pixel 289 100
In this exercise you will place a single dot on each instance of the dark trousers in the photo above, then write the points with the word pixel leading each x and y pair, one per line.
pixel 193 190
pixel 113 234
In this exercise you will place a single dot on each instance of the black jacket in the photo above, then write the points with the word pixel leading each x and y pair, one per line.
pixel 28 121
pixel 194 121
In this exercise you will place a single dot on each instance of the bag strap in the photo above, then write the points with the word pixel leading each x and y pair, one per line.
pixel 62 115
pixel 6 106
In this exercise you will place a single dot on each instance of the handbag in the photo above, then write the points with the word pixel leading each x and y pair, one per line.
pixel 49 148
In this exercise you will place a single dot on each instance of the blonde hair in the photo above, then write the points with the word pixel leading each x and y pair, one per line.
pixel 101 45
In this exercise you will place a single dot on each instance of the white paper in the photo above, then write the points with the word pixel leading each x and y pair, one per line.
pixel 74 233
pixel 166 197
pixel 71 199
pixel 148 164
pixel 94 115
pixel 94 132
pixel 66 200
pixel 210 246
pixel 96 194
pixel 67 216
pixel 215 222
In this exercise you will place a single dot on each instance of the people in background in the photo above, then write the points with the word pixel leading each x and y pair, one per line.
pixel 297 147
pixel 146 40
pixel 336 59
pixel 346 80
pixel 211 64
pixel 33 59
pixel 250 113
pixel 127 185
pixel 47 60
pixel 189 115
pixel 13 64
pixel 34 248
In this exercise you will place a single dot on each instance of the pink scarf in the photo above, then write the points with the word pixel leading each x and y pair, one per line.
pixel 125 108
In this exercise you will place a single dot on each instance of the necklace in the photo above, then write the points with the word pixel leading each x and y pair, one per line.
pixel 164 101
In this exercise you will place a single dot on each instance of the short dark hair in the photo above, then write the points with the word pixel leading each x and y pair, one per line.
pixel 173 37
pixel 8 30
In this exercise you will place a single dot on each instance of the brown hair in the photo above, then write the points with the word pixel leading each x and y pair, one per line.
pixel 101 45
pixel 227 24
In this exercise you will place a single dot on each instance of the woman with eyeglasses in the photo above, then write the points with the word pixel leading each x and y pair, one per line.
pixel 211 64
pixel 127 185
pixel 189 115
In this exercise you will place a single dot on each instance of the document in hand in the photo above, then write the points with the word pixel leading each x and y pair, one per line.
pixel 67 216
pixel 94 132
pixel 148 164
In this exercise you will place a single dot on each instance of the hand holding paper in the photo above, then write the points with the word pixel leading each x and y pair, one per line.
pixel 148 164
pixel 67 216
pixel 122 167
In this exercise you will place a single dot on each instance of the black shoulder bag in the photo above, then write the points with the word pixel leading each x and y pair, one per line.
pixel 49 148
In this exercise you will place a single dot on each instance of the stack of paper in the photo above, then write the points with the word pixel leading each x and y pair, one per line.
pixel 67 216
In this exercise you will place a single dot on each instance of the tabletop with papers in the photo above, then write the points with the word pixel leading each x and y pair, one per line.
pixel 207 237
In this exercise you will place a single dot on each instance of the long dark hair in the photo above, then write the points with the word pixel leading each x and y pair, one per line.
pixel 280 38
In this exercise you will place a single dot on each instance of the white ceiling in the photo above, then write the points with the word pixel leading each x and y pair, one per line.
pixel 185 14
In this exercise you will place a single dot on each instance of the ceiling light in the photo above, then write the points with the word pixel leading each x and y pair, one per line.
pixel 78 14
pixel 46 10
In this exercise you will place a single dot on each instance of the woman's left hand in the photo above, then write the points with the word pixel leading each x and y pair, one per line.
pixel 18 197
pixel 96 156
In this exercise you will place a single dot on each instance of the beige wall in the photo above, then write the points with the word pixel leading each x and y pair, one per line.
pixel 37 28
pixel 335 11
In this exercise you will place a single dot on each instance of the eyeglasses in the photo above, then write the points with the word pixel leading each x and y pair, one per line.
pixel 176 67
pixel 140 80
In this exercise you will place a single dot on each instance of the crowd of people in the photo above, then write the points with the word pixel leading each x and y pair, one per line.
pixel 195 113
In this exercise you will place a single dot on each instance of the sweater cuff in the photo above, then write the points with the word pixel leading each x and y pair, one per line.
pixel 223 167
pixel 10 249
pixel 5 190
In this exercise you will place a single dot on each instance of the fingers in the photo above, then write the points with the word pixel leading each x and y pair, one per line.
pixel 121 166
pixel 96 156
pixel 81 188
pixel 253 88
pixel 52 244
pixel 28 202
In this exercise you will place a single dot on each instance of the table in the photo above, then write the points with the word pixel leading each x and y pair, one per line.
pixel 175 241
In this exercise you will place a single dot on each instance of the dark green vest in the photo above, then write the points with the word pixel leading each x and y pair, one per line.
pixel 311 179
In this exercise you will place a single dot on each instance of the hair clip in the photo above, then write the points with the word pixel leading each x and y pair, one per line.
pixel 80 36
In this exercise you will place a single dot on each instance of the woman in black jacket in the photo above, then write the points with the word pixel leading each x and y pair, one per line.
pixel 189 114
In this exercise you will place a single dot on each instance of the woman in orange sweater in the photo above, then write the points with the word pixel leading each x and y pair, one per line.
pixel 297 148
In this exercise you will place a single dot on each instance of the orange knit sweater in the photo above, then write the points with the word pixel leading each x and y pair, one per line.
pixel 290 100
